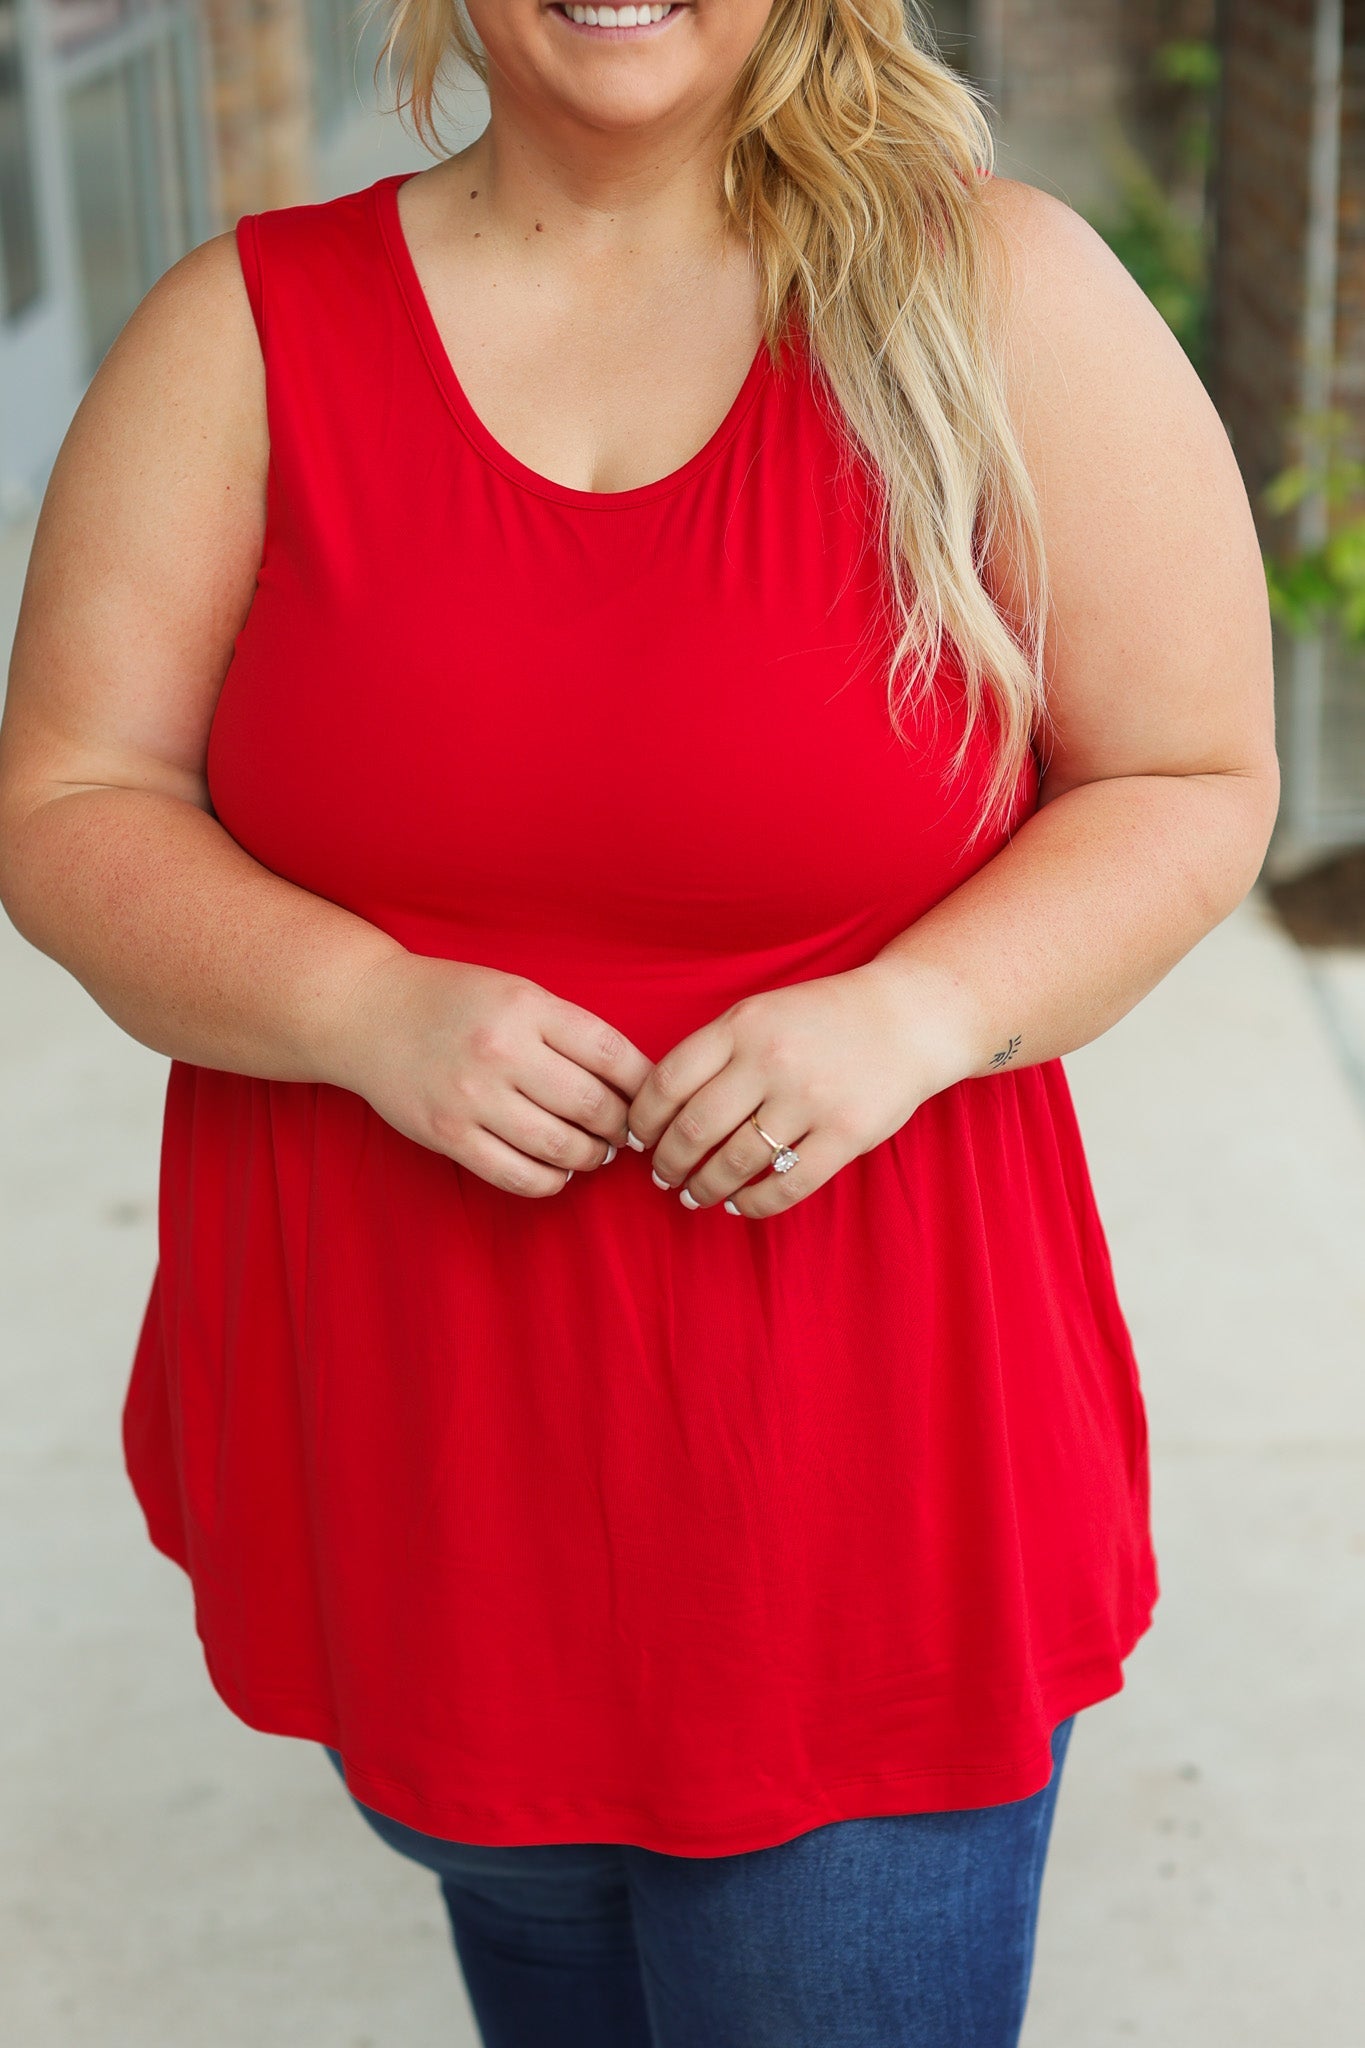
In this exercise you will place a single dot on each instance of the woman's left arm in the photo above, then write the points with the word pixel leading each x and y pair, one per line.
pixel 1160 788
pixel 1162 784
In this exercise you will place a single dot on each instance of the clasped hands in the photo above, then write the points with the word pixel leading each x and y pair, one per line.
pixel 826 1066
pixel 525 1088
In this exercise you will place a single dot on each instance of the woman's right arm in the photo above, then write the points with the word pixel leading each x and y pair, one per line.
pixel 142 571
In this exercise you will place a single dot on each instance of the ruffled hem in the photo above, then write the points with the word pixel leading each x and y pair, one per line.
pixel 1066 1691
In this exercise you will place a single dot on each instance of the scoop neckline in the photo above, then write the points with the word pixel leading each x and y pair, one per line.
pixel 443 372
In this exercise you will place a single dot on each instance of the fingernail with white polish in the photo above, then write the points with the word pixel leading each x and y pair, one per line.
pixel 733 1210
pixel 658 1181
pixel 688 1201
pixel 568 1177
pixel 636 1144
pixel 611 1154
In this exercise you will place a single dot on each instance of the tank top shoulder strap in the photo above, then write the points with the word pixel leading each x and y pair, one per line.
pixel 309 265
pixel 331 327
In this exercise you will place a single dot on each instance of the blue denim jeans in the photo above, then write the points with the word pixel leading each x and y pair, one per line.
pixel 911 1930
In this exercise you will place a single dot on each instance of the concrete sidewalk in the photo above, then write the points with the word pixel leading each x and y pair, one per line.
pixel 176 1878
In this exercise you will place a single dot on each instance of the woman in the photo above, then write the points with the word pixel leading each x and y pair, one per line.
pixel 706 626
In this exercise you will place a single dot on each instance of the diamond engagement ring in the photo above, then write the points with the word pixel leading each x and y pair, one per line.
pixel 784 1158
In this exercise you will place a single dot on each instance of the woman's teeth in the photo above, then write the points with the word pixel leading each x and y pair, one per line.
pixel 617 17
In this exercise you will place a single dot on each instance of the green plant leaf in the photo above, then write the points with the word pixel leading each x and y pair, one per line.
pixel 1287 491
pixel 1302 592
pixel 1344 557
pixel 1194 64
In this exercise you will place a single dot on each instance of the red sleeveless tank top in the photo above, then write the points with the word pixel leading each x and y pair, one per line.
pixel 594 1518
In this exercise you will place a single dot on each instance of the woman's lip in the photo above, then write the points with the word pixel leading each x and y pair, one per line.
pixel 647 28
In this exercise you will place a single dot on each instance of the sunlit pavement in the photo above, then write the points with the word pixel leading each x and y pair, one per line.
pixel 173 1877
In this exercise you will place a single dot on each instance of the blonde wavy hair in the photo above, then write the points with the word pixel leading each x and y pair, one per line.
pixel 853 167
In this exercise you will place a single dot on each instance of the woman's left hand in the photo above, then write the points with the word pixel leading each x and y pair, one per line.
pixel 830 1067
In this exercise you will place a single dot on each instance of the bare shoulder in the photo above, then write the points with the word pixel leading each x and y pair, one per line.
pixel 168 448
pixel 1160 649
pixel 1084 349
pixel 148 539
pixel 1055 263
pixel 1034 218
pixel 187 359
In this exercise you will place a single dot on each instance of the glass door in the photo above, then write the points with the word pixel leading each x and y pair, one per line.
pixel 129 102
pixel 346 38
pixel 21 280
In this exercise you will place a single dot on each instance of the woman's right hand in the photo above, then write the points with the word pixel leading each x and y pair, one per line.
pixel 491 1069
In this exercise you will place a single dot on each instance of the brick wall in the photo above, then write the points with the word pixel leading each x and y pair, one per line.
pixel 1060 86
pixel 1062 58
pixel 260 102
pixel 1264 214
pixel 1155 109
pixel 1073 77
pixel 1351 250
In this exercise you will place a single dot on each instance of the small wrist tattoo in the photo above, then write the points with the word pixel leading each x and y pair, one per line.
pixel 1003 1057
